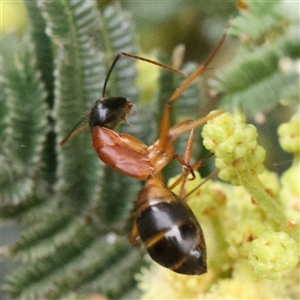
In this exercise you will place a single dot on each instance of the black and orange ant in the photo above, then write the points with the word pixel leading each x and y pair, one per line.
pixel 162 220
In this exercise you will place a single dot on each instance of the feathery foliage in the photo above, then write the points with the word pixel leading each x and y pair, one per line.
pixel 76 207
pixel 264 70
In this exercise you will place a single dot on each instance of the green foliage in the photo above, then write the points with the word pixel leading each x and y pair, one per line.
pixel 264 70
pixel 23 125
pixel 75 207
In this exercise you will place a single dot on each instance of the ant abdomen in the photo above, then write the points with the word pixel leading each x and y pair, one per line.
pixel 170 231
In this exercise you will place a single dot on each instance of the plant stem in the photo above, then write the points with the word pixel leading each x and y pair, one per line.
pixel 256 189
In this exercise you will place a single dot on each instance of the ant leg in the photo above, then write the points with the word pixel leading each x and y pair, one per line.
pixel 194 167
pixel 165 123
pixel 198 71
pixel 185 163
pixel 184 126
pixel 181 179
pixel 75 130
pixel 210 176
pixel 187 157
pixel 134 235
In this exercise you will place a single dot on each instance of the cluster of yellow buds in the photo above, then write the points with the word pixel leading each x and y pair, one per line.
pixel 234 144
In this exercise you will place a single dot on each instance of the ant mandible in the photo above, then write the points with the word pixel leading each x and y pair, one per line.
pixel 162 220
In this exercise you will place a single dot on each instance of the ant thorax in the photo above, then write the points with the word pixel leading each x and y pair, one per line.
pixel 109 112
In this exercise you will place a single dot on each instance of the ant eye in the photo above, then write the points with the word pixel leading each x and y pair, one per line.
pixel 109 112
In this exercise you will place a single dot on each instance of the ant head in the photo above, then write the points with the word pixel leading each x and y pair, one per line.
pixel 109 112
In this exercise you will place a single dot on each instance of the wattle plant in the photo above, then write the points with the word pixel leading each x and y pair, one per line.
pixel 76 211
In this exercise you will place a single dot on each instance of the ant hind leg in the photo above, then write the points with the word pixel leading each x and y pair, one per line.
pixel 187 169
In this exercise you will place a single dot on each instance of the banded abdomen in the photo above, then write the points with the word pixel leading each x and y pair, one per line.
pixel 170 231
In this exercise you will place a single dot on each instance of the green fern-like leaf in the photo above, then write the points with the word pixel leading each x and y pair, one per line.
pixel 258 77
pixel 45 64
pixel 24 124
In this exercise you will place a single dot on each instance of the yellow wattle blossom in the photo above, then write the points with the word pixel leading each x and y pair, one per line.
pixel 289 135
pixel 273 255
pixel 244 285
pixel 234 144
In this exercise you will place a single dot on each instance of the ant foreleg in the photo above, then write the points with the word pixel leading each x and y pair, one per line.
pixel 165 122
pixel 180 128
pixel 198 71
pixel 75 130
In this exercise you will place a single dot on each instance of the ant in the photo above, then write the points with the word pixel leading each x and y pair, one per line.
pixel 162 220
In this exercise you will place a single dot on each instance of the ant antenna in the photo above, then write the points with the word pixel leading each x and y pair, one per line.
pixel 140 58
